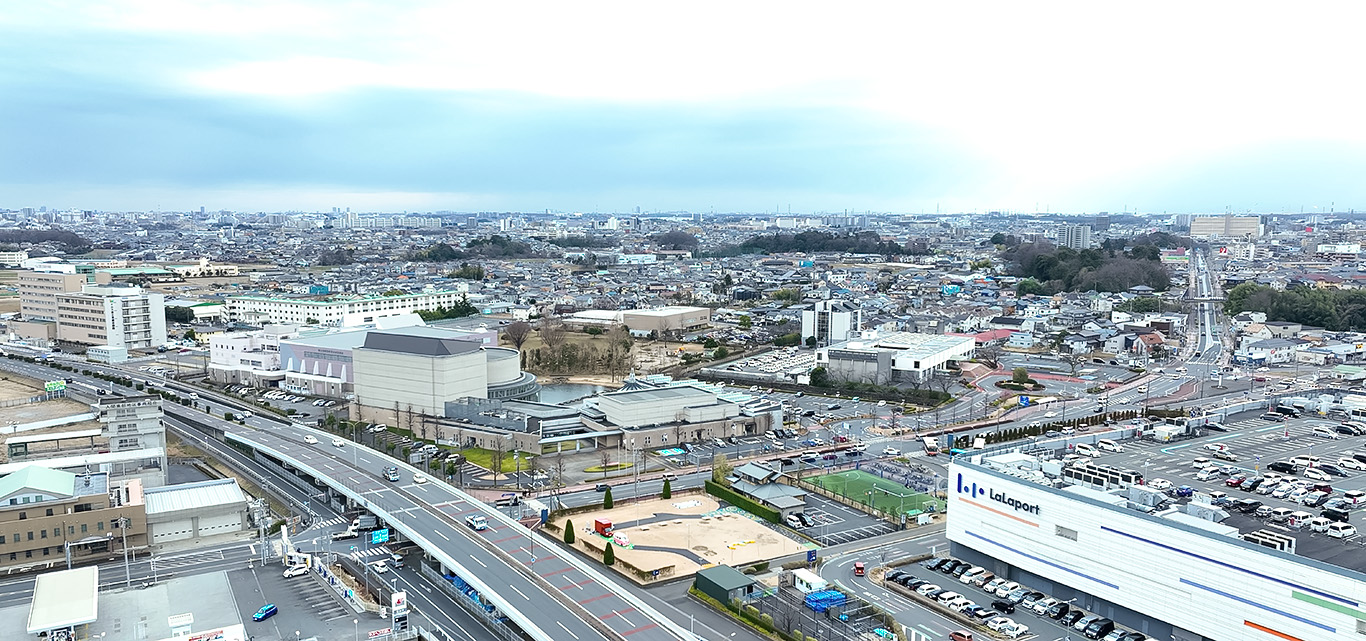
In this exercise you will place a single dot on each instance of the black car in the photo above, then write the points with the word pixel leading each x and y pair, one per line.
pixel 1251 484
pixel 894 575
pixel 950 566
pixel 958 571
pixel 1317 501
pixel 1003 606
pixel 602 487
pixel 1344 429
pixel 1217 427
pixel 1057 610
pixel 912 582
pixel 1067 619
pixel 1332 469
pixel 933 564
pixel 806 520
pixel 1284 467
pixel 1247 506
pixel 934 593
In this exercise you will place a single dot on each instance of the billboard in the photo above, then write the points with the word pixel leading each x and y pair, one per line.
pixel 398 603
pixel 54 386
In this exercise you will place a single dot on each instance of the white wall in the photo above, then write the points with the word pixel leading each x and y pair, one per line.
pixel 1119 556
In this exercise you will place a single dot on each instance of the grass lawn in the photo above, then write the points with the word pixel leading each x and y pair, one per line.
pixel 888 496
pixel 484 458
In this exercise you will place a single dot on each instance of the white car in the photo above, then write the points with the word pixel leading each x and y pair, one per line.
pixel 1160 484
pixel 1051 415
pixel 338 442
pixel 310 439
pixel 419 479
pixel 927 588
pixel 1207 474
pixel 295 570
pixel 891 451
pixel 1014 630
pixel 996 623
pixel 1351 464
pixel 379 567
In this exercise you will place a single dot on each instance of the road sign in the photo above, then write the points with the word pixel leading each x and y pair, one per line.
pixel 379 536
pixel 54 386
pixel 810 556
pixel 1024 401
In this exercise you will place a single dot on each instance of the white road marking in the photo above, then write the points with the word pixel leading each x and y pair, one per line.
pixel 478 561
pixel 567 630
pixel 519 592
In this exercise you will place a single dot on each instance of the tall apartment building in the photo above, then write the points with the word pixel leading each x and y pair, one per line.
pixel 46 514
pixel 832 321
pixel 1075 236
pixel 116 316
pixel 1227 226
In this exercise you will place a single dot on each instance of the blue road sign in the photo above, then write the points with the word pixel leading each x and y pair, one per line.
pixel 379 536
pixel 1024 401
pixel 810 556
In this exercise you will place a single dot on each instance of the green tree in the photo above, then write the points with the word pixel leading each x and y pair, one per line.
pixel 711 344
pixel 746 322
pixel 820 377
pixel 667 492
pixel 189 335
pixel 394 292
pixel 788 340
pixel 721 353
pixel 569 531
pixel 468 272
pixel 311 321
pixel 1019 375
pixel 1029 286
pixel 720 469
pixel 998 238
pixel 607 499
pixel 811 341
pixel 608 556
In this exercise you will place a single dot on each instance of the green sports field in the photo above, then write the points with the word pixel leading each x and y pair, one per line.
pixel 887 496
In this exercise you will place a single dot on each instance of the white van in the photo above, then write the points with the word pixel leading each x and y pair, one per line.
pixel 1086 449
pixel 1281 514
pixel 1107 445
pixel 1200 462
pixel 1355 497
pixel 1142 389
pixel 1342 530
pixel 1319 524
pixel 1324 432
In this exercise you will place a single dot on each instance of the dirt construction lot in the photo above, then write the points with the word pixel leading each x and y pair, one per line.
pixel 686 532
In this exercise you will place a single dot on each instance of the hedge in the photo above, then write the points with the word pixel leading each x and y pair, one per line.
pixel 731 496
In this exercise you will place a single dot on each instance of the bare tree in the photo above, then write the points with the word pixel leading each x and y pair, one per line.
pixel 496 462
pixel 990 354
pixel 518 333
pixel 559 468
pixel 552 333
pixel 604 457
pixel 421 423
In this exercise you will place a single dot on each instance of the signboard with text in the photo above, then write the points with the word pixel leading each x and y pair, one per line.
pixel 379 536
pixel 380 632
pixel 54 386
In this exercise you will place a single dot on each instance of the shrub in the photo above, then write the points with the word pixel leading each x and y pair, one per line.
pixel 569 532
pixel 608 556
pixel 667 492
pixel 607 499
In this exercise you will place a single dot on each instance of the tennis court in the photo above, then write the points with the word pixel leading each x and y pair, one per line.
pixel 886 495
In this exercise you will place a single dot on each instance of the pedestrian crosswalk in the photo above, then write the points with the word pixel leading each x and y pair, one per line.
pixel 370 552
pixel 331 522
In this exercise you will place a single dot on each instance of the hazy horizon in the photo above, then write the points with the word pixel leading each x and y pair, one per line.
pixel 888 107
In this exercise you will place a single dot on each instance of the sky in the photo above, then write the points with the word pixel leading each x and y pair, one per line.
pixel 701 106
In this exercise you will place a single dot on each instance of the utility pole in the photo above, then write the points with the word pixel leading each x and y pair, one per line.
pixel 124 522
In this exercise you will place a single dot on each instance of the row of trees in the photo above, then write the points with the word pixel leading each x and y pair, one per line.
pixel 1332 309
pixel 862 242
pixel 459 309
pixel 492 247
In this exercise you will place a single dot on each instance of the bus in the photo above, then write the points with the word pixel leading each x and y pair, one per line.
pixel 931 446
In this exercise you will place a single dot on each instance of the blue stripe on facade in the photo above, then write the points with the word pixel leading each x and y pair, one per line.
pixel 1234 567
pixel 1258 605
pixel 1044 561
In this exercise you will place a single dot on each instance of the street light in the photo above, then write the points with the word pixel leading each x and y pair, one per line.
pixel 355 623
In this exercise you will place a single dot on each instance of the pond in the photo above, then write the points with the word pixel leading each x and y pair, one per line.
pixel 567 392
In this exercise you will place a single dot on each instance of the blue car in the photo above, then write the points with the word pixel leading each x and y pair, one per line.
pixel 1185 490
pixel 267 611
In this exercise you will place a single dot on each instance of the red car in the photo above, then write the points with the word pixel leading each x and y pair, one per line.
pixel 1235 480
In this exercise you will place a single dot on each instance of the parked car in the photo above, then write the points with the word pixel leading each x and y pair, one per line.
pixel 1070 617
pixel 1058 610
pixel 1002 605
pixel 267 611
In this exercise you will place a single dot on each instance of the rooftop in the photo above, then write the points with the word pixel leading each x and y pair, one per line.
pixel 189 496
pixel 64 599
pixel 418 345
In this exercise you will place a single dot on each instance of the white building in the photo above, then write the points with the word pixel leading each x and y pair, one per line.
pixel 335 311
pixel 832 321
pixel 1075 236
pixel 1171 575
pixel 114 315
pixel 13 259
pixel 249 358
pixel 898 357
pixel 413 371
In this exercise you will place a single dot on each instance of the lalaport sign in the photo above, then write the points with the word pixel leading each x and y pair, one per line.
pixel 976 491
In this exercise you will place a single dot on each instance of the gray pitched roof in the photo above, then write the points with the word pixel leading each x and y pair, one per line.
pixel 420 345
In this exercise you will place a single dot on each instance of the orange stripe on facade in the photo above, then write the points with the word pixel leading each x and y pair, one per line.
pixel 1267 630
pixel 996 511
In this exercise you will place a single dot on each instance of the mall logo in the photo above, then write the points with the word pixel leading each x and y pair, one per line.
pixel 972 489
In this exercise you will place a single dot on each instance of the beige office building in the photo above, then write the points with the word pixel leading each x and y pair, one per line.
pixel 1226 227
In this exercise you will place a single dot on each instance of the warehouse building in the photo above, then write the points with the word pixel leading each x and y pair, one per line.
pixel 195 510
pixel 895 358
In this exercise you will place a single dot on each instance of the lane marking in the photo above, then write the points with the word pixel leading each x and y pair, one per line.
pixel 478 561
pixel 519 592
pixel 561 624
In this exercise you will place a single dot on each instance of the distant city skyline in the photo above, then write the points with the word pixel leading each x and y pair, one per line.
pixel 1068 107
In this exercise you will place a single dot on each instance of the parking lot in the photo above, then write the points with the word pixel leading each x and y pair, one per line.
pixel 305 605
pixel 836 523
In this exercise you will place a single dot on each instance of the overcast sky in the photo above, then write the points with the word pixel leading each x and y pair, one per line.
pixel 736 106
